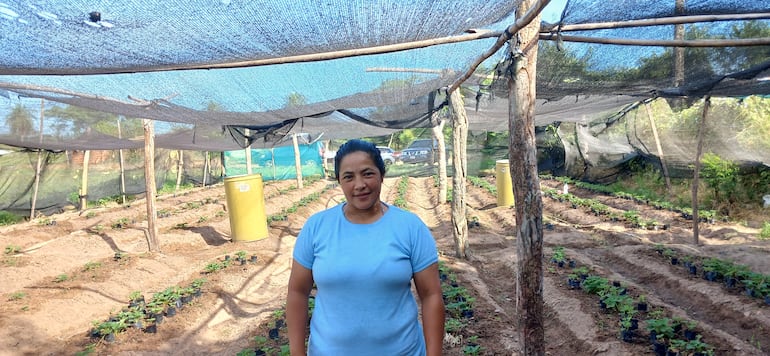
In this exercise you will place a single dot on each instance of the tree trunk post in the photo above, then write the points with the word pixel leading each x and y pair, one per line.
pixel 460 164
pixel 696 173
pixel 149 182
pixel 526 186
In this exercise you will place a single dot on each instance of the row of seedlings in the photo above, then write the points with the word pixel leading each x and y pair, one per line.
pixel 458 304
pixel 146 315
pixel 284 214
pixel 733 276
pixel 708 216
pixel 666 335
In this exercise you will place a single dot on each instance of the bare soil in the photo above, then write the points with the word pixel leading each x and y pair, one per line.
pixel 66 277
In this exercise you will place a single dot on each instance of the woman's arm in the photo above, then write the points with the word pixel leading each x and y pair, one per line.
pixel 429 289
pixel 300 284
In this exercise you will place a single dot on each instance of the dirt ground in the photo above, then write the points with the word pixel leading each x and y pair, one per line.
pixel 65 275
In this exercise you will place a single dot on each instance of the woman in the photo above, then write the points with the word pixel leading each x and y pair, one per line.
pixel 362 256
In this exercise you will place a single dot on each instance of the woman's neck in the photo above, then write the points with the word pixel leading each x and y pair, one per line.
pixel 364 216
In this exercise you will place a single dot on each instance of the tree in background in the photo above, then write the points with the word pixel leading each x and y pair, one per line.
pixel 20 122
pixel 731 59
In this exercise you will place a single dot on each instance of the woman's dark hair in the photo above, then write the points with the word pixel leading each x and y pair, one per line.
pixel 356 145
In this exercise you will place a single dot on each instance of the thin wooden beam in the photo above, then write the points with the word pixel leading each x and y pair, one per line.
pixel 673 20
pixel 150 186
pixel 546 34
pixel 39 163
pixel 743 42
pixel 696 174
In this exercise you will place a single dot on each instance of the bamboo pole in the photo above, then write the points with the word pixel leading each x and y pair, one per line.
pixel 673 20
pixel 696 174
pixel 39 164
pixel 179 168
pixel 460 163
pixel 297 160
pixel 149 182
pixel 547 34
pixel 744 42
pixel 658 146
pixel 122 168
pixel 205 168
pixel 526 187
pixel 84 181
pixel 247 153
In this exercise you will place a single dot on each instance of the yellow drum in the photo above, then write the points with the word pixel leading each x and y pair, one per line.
pixel 246 207
pixel 504 185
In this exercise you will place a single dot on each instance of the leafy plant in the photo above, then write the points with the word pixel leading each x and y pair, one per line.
pixel 558 254
pixel 663 328
pixel 764 234
pixel 7 218
pixel 61 278
pixel 452 325
pixel 17 296
pixel 12 249
pixel 595 284
pixel 90 266
pixel 135 295
pixel 471 349
pixel 696 346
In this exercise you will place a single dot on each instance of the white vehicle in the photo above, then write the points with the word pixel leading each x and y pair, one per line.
pixel 387 155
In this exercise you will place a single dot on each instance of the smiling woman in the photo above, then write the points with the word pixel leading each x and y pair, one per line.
pixel 362 257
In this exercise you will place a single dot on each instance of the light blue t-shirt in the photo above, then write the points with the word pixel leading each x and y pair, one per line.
pixel 364 304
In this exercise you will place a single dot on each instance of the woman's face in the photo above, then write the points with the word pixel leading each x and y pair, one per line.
pixel 360 180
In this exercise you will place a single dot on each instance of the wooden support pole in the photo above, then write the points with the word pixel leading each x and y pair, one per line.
pixel 297 161
pixel 247 153
pixel 205 168
pixel 39 164
pixel 122 168
pixel 658 146
pixel 179 169
pixel 526 187
pixel 459 161
pixel 438 135
pixel 84 181
pixel 696 174
pixel 149 182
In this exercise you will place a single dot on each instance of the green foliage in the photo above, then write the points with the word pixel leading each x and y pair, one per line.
pixel 20 122
pixel 12 249
pixel 7 218
pixel 764 233
pixel 61 278
pixel 720 175
pixel 91 266
pixel 17 296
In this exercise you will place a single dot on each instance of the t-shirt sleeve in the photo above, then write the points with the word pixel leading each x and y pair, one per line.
pixel 424 252
pixel 303 247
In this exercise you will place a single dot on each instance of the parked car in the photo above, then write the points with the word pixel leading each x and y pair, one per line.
pixel 388 155
pixel 421 151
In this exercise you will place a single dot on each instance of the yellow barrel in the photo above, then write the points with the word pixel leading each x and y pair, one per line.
pixel 504 185
pixel 246 207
